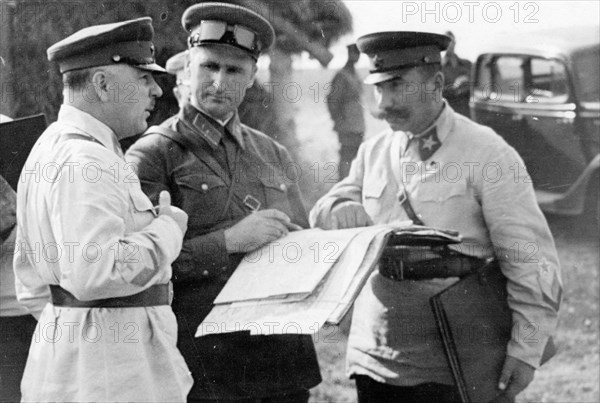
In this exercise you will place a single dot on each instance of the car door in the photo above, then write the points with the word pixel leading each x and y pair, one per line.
pixel 529 101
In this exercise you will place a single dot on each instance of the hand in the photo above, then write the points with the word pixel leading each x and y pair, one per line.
pixel 258 229
pixel 177 214
pixel 349 214
pixel 515 377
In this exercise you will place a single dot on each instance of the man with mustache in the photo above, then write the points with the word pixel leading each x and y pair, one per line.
pixel 90 247
pixel 234 183
pixel 437 167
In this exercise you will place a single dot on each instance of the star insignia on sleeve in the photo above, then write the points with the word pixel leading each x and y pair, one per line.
pixel 544 266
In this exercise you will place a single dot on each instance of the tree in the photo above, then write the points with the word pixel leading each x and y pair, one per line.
pixel 31 85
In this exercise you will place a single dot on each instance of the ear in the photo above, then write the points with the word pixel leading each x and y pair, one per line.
pixel 176 93
pixel 438 80
pixel 253 73
pixel 100 84
pixel 186 63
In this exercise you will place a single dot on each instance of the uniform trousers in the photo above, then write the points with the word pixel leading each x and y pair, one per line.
pixel 371 391
pixel 298 397
pixel 15 339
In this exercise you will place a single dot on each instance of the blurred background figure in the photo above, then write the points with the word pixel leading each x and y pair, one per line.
pixel 345 108
pixel 176 66
pixel 457 75
pixel 256 110
pixel 16 324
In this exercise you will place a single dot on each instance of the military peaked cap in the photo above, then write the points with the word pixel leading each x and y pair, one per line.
pixel 127 42
pixel 390 53
pixel 228 24
pixel 176 63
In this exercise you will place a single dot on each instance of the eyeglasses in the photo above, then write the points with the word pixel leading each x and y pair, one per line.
pixel 217 31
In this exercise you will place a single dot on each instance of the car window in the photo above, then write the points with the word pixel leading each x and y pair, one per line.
pixel 522 79
pixel 587 78
pixel 548 82
pixel 500 79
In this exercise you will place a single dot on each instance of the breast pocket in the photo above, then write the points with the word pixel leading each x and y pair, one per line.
pixel 202 197
pixel 373 196
pixel 141 211
pixel 276 193
pixel 432 191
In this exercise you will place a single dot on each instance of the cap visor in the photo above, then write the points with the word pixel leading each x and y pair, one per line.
pixel 376 78
pixel 151 67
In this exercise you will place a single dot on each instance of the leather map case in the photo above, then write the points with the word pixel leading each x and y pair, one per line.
pixel 475 323
pixel 17 138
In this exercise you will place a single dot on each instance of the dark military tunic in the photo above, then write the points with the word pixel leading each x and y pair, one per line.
pixel 216 174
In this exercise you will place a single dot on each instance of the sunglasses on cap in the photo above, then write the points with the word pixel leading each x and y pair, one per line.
pixel 220 31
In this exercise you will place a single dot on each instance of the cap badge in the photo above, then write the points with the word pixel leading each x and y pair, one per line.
pixel 377 62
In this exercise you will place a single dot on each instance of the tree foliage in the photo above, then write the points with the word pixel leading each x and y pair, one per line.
pixel 35 25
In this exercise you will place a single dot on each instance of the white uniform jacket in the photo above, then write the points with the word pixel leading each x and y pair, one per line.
pixel 85 224
pixel 475 183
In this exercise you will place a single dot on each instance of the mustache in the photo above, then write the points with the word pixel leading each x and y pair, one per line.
pixel 391 112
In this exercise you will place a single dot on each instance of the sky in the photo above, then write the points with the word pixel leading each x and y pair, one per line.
pixel 474 23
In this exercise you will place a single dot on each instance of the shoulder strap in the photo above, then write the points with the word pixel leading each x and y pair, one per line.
pixel 206 159
pixel 171 134
pixel 79 136
pixel 410 212
pixel 187 144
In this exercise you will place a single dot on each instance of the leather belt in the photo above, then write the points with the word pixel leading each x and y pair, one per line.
pixel 159 294
pixel 398 263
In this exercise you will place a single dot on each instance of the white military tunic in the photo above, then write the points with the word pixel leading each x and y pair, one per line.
pixel 475 183
pixel 85 224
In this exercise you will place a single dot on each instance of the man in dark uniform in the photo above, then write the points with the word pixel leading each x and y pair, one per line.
pixel 457 73
pixel 345 108
pixel 232 181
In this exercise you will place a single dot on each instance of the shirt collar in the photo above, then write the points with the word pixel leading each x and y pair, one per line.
pixel 442 124
pixel 209 128
pixel 90 126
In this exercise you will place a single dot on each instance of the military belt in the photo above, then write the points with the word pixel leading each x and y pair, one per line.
pixel 399 263
pixel 155 295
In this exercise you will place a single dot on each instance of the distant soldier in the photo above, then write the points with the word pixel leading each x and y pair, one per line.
pixel 457 73
pixel 176 66
pixel 256 110
pixel 343 102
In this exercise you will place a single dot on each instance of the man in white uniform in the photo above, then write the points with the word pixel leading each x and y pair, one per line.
pixel 454 174
pixel 90 240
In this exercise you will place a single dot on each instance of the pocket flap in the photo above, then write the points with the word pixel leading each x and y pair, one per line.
pixel 274 182
pixel 373 188
pixel 141 202
pixel 440 191
pixel 200 183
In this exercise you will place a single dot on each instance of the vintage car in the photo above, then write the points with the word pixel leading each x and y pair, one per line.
pixel 542 94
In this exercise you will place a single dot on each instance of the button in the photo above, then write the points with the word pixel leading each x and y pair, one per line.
pixel 204 187
pixel 283 187
pixel 205 273
pixel 116 58
pixel 223 268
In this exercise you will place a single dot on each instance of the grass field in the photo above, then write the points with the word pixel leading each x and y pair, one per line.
pixel 573 375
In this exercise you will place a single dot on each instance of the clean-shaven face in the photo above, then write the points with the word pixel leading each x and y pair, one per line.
pixel 219 77
pixel 132 94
